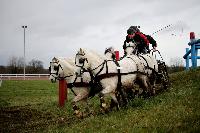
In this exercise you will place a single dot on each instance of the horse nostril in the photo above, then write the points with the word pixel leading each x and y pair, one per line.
pixel 52 80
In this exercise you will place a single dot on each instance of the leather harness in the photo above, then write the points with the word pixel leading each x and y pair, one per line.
pixel 95 79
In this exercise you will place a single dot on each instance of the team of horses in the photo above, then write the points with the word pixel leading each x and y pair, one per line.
pixel 91 74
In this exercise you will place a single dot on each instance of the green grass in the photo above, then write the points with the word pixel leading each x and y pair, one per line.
pixel 20 93
pixel 175 110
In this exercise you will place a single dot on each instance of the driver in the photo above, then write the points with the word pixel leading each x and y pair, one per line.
pixel 142 40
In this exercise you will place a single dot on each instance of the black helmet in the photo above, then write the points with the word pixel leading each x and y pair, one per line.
pixel 133 29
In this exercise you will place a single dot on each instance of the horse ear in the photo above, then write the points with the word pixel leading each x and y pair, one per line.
pixel 54 58
pixel 82 51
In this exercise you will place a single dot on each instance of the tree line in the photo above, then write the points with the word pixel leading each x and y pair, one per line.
pixel 16 66
pixel 176 65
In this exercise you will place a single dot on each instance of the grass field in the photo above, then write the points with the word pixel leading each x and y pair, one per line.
pixel 31 106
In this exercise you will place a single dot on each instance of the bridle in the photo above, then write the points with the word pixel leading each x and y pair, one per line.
pixel 97 77
pixel 129 45
pixel 81 61
pixel 82 69
pixel 56 68
pixel 132 46
pixel 110 51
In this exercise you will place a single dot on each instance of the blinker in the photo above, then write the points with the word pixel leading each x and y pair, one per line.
pixel 81 61
pixel 56 68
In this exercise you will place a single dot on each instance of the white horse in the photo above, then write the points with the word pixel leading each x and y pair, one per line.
pixel 121 94
pixel 149 62
pixel 109 53
pixel 62 68
pixel 107 73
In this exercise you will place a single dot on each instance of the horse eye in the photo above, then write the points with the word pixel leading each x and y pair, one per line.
pixel 81 61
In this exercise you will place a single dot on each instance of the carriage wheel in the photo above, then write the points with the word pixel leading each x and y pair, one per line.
pixel 163 74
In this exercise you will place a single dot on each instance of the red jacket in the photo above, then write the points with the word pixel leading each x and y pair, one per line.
pixel 141 36
pixel 137 37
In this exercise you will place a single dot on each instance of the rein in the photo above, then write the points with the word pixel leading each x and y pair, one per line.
pixel 56 73
pixel 158 53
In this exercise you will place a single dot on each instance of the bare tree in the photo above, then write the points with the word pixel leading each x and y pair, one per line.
pixel 12 65
pixel 16 66
pixel 3 69
pixel 20 64
pixel 176 64
pixel 35 66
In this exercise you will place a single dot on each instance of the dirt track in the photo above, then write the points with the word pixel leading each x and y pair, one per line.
pixel 18 119
pixel 23 119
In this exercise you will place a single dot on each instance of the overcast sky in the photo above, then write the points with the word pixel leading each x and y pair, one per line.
pixel 61 27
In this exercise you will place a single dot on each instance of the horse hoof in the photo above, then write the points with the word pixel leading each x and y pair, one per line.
pixel 104 110
pixel 78 114
pixel 103 105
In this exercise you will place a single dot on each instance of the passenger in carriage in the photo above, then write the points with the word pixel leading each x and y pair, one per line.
pixel 142 40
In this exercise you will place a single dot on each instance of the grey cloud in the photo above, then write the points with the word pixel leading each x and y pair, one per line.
pixel 167 8
pixel 59 28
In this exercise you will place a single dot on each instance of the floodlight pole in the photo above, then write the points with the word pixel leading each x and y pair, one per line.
pixel 24 27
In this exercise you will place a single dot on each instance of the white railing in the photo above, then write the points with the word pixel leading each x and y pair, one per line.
pixel 22 76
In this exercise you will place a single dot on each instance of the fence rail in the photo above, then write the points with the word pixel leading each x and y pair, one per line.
pixel 24 77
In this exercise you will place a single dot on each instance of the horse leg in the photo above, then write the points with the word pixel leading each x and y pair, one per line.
pixel 80 97
pixel 153 82
pixel 144 83
pixel 122 96
pixel 130 94
pixel 103 105
pixel 154 87
pixel 150 88
pixel 103 93
pixel 114 101
pixel 112 104
pixel 77 111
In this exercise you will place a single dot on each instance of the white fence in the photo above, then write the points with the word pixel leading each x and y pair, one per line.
pixel 24 77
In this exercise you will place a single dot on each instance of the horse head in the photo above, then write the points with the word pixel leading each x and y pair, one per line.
pixel 130 47
pixel 87 60
pixel 60 69
pixel 110 53
pixel 81 61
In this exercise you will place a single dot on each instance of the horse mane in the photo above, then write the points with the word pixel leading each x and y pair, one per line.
pixel 70 61
pixel 66 63
pixel 93 56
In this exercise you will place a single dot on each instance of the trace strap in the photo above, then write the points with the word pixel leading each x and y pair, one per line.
pixel 77 84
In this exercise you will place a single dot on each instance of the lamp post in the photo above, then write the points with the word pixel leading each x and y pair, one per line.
pixel 24 27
